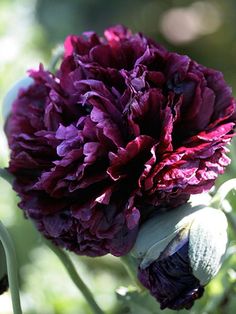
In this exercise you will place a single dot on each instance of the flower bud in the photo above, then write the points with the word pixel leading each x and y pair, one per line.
pixel 179 252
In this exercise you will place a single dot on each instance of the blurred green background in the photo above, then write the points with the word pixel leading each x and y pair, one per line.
pixel 29 30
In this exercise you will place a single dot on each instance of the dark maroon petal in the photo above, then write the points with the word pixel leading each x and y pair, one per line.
pixel 171 282
pixel 130 157
pixel 80 44
pixel 117 33
pixel 123 128
pixel 132 217
pixel 55 225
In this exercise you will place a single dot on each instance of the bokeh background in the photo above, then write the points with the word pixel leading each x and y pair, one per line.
pixel 29 31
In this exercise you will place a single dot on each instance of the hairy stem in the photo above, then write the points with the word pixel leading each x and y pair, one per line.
pixel 131 268
pixel 222 193
pixel 231 220
pixel 220 196
pixel 66 261
pixel 11 268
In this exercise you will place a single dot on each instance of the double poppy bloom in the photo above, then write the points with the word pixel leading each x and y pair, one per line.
pixel 122 129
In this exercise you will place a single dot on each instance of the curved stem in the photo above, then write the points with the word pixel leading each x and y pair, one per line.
pixel 76 278
pixel 11 268
pixel 231 219
pixel 222 193
pixel 131 268
pixel 220 196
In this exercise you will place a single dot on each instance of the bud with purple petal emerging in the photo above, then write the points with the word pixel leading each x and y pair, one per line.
pixel 179 252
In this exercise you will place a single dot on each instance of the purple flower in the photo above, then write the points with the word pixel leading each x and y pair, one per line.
pixel 122 128
pixel 172 282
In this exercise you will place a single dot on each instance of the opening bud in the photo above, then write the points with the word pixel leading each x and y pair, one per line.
pixel 179 252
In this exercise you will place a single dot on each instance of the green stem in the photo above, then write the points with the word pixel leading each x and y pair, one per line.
pixel 11 268
pixel 76 278
pixel 231 219
pixel 131 268
pixel 222 193
pixel 220 196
